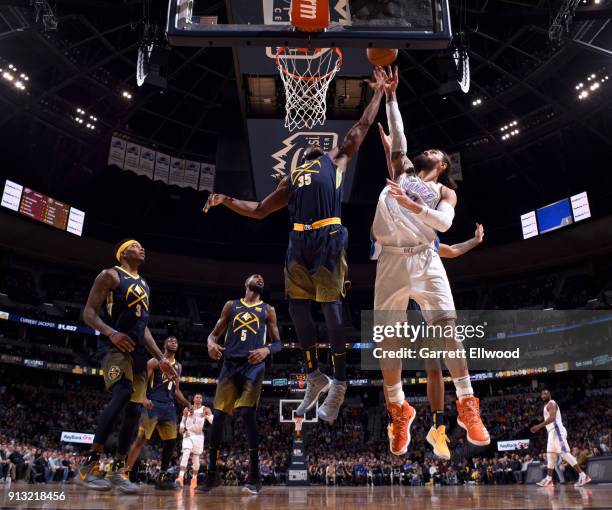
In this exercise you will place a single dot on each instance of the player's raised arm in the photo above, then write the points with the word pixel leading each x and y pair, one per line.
pixel 104 283
pixel 456 250
pixel 215 351
pixel 258 210
pixel 354 138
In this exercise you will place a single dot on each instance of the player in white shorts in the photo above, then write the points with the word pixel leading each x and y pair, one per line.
pixel 418 201
pixel 557 442
pixel 192 430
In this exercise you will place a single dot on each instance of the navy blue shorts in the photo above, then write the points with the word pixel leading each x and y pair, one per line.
pixel 161 418
pixel 239 385
pixel 315 266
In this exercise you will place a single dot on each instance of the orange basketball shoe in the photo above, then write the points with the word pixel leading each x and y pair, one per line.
pixel 402 416
pixel 469 419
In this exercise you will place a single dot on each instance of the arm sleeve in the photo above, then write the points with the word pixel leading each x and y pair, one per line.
pixel 439 219
pixel 396 126
pixel 274 347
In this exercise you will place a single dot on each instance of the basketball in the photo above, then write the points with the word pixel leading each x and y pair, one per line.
pixel 382 56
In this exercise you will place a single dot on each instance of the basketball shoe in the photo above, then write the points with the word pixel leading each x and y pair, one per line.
pixel 89 475
pixel 546 482
pixel 402 416
pixel 331 406
pixel 212 480
pixel 164 483
pixel 316 383
pixel 469 419
pixel 583 479
pixel 253 484
pixel 437 438
pixel 120 478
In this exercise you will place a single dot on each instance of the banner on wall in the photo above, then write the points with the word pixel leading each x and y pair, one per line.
pixel 132 157
pixel 456 170
pixel 162 167
pixel 207 177
pixel 147 162
pixel 177 171
pixel 158 166
pixel 116 153
pixel 192 174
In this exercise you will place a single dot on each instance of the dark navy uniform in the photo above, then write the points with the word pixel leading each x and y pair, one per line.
pixel 162 392
pixel 127 311
pixel 315 267
pixel 239 383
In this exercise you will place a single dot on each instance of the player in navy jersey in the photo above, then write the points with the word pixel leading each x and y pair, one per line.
pixel 160 412
pixel 124 342
pixel 315 265
pixel 245 322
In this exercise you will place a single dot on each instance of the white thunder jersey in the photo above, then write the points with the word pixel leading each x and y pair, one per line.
pixel 556 425
pixel 194 424
pixel 395 225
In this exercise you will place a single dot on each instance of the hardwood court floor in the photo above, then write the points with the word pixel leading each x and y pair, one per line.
pixel 326 498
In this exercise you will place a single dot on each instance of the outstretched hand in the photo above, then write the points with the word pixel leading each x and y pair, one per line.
pixel 213 200
pixel 479 233
pixel 379 78
pixel 392 80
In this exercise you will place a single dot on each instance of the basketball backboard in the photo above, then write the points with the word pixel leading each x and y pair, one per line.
pixel 287 407
pixel 406 24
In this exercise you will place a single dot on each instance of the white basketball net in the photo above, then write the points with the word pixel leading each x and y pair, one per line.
pixel 306 75
pixel 299 420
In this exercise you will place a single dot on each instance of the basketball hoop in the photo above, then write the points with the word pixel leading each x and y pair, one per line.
pixel 299 421
pixel 306 74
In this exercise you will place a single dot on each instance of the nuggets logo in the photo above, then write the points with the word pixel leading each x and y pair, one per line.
pixel 245 321
pixel 114 372
pixel 136 295
pixel 288 159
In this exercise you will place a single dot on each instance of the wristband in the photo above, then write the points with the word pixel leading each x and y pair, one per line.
pixel 113 333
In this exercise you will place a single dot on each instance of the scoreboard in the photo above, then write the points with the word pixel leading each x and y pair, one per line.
pixel 43 208
pixel 297 383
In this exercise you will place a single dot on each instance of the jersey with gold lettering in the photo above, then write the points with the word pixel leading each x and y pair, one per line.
pixel 246 329
pixel 315 191
pixel 127 309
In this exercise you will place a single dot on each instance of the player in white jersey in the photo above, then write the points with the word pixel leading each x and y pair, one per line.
pixel 192 430
pixel 557 442
pixel 418 201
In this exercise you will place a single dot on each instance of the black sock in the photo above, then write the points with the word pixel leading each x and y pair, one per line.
pixel 438 419
pixel 250 420
pixel 305 330
pixel 335 335
pixel 121 393
pixel 131 417
pixel 216 436
pixel 167 451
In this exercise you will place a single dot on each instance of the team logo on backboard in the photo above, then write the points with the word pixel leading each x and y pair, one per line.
pixel 288 158
pixel 114 372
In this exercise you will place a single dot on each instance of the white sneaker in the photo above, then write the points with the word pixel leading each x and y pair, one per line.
pixel 316 384
pixel 583 479
pixel 546 482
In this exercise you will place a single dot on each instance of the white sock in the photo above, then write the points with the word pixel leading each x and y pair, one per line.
pixel 395 393
pixel 463 387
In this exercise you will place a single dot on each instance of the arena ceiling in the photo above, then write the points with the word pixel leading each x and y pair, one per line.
pixel 517 74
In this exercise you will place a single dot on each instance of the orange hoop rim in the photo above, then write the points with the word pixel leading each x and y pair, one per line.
pixel 281 67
